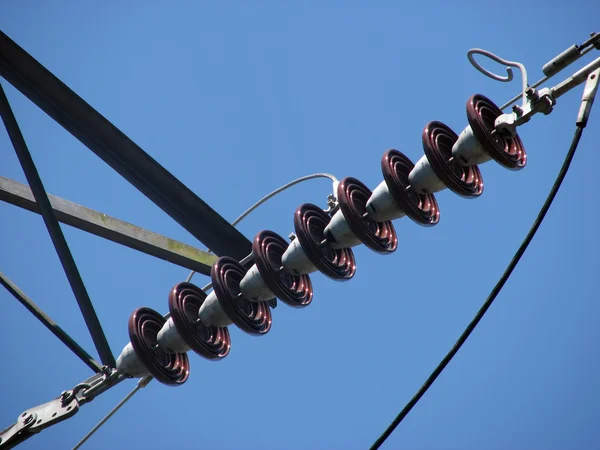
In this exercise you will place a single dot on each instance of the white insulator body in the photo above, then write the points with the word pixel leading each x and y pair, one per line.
pixel 381 206
pixel 170 340
pixel 295 261
pixel 129 364
pixel 212 314
pixel 254 288
pixel 339 233
pixel 467 150
pixel 423 179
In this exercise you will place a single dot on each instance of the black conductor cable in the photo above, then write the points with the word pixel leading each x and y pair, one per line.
pixel 588 98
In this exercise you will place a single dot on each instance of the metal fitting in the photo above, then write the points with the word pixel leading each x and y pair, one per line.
pixel 28 420
pixel 517 110
pixel 532 94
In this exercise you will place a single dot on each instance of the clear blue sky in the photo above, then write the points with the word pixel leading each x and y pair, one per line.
pixel 237 100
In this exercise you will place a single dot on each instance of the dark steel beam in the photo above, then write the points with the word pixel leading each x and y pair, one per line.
pixel 49 323
pixel 118 151
pixel 107 227
pixel 56 235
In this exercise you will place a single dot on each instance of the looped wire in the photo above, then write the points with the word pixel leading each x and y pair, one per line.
pixel 508 64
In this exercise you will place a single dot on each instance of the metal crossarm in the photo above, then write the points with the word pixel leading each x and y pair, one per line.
pixel 109 143
pixel 49 323
pixel 110 228
pixel 56 234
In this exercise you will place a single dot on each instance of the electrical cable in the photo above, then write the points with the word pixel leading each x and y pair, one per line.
pixel 141 384
pixel 495 291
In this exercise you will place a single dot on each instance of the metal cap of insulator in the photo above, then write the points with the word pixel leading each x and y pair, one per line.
pixel 211 342
pixel 251 317
pixel 294 290
pixel 309 224
pixel 421 208
pixel 378 236
pixel 438 140
pixel 506 150
pixel 169 368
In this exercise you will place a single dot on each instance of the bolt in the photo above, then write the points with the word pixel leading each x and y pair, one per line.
pixel 531 94
pixel 28 419
pixel 596 42
pixel 517 110
pixel 64 396
pixel 292 236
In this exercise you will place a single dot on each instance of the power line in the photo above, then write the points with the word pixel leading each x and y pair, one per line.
pixel 141 384
pixel 495 291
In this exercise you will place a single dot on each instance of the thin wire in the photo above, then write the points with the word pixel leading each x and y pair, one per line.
pixel 269 196
pixel 534 85
pixel 141 384
pixel 493 76
pixel 513 263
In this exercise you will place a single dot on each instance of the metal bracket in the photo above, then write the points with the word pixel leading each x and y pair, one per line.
pixel 589 94
pixel 332 204
pixel 544 100
pixel 562 61
pixel 536 101
pixel 38 418
pixel 61 408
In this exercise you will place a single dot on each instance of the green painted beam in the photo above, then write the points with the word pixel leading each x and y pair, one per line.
pixel 110 228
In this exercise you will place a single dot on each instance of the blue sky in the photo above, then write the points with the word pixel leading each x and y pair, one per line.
pixel 236 100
